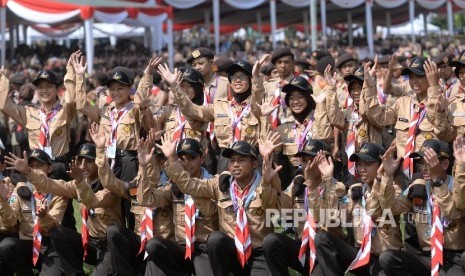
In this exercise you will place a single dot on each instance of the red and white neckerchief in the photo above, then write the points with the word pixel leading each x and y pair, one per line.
pixel 417 118
pixel 84 229
pixel 190 211
pixel 381 96
pixel 274 117
pixel 349 102
pixel 241 200
pixel 146 230
pixel 352 139
pixel 181 122
pixel 449 85
pixel 46 118
pixel 36 235
pixel 363 255
pixel 437 239
pixel 308 236
pixel 115 118
pixel 242 110
pixel 208 98
pixel 301 137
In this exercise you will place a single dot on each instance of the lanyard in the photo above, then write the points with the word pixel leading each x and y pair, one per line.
pixel 236 119
pixel 300 140
pixel 114 123
pixel 245 200
pixel 46 118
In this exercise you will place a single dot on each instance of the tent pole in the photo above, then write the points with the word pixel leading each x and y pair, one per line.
pixel 206 14
pixel 89 26
pixel 349 26
pixel 273 22
pixel 369 22
pixel 259 24
pixel 305 15
pixel 2 31
pixel 323 22
pixel 169 27
pixel 425 24
pixel 388 23
pixel 216 23
pixel 411 9
pixel 450 19
pixel 313 15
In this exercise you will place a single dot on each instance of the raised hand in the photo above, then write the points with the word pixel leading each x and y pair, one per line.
pixel 459 150
pixel 16 163
pixel 267 170
pixel 390 164
pixel 143 153
pixel 153 64
pixel 370 72
pixel 312 172
pixel 432 73
pixel 267 108
pixel 99 139
pixel 393 62
pixel 258 64
pixel 79 63
pixel 443 103
pixel 168 147
pixel 268 146
pixel 170 78
pixel 42 208
pixel 325 165
pixel 75 171
pixel 434 164
pixel 330 79
pixel 70 60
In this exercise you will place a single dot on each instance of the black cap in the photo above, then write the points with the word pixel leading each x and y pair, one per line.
pixel 303 63
pixel 458 63
pixel 323 63
pixel 443 58
pixel 40 156
pixel 357 76
pixel 343 59
pixel 299 83
pixel 312 147
pixel 193 76
pixel 267 68
pixel 439 148
pixel 240 65
pixel 45 75
pixel 384 59
pixel 369 152
pixel 282 52
pixel 222 64
pixel 200 52
pixel 87 150
pixel 121 77
pixel 319 54
pixel 189 146
pixel 241 148
pixel 416 67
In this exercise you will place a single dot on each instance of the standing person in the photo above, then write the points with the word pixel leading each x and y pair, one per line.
pixel 124 244
pixel 97 210
pixel 455 104
pixel 36 214
pixel 234 120
pixel 189 253
pixel 448 80
pixel 346 65
pixel 242 198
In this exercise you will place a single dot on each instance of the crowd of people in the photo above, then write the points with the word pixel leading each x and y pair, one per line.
pixel 196 170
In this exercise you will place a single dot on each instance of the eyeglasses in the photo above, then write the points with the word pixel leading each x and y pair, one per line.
pixel 238 77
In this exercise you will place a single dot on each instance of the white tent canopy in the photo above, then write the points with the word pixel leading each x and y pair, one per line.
pixel 406 29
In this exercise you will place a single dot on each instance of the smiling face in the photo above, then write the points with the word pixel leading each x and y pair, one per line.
pixel 47 92
pixel 88 167
pixel 418 84
pixel 119 93
pixel 192 164
pixel 242 167
pixel 355 90
pixel 367 170
pixel 240 82
pixel 297 102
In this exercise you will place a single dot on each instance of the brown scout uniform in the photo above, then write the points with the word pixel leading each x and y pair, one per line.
pixel 432 127
pixel 4 230
pixel 266 197
pixel 219 114
pixel 105 204
pixel 284 113
pixel 29 116
pixel 18 210
pixel 326 115
pixel 163 226
pixel 217 88
pixel 386 236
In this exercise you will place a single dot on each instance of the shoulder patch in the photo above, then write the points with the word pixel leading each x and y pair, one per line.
pixel 12 200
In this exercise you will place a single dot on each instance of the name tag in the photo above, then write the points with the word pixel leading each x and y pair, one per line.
pixel 403 120
pixel 222 115
pixel 458 114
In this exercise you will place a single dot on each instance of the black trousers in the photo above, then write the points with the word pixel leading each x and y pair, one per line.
pixel 124 246
pixel 168 256
pixel 223 257
pixel 126 168
pixel 18 255
pixel 68 245
pixel 4 268
pixel 334 256
pixel 282 252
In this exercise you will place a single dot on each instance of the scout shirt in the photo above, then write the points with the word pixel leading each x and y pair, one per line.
pixel 9 186
pixel 452 87
pixel 433 126
pixel 103 206
pixel 151 196
pixel 163 221
pixel 216 89
pixel 459 186
pixel 30 116
pixel 342 92
pixel 265 197
pixel 322 200
pixel 386 236
pixel 318 125
pixel 221 114
pixel 129 125
pixel 456 112
pixel 19 210
pixel 272 89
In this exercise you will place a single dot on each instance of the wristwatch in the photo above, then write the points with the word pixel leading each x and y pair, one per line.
pixel 437 182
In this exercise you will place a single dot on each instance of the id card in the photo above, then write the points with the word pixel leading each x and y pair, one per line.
pixel 48 150
pixel 111 150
